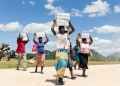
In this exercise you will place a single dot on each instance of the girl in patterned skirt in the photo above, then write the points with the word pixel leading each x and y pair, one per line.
pixel 40 56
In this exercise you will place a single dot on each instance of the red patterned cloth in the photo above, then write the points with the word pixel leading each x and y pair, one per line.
pixel 40 58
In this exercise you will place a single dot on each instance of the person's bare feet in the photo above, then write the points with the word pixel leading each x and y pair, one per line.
pixel 42 73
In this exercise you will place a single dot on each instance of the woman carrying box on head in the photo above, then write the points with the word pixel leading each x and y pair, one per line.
pixel 61 52
pixel 21 51
pixel 83 52
pixel 40 56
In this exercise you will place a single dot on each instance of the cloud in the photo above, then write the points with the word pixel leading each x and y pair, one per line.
pixel 11 26
pixel 51 43
pixel 32 3
pixel 94 48
pixel 119 40
pixel 98 8
pixel 108 29
pixel 90 31
pixel 76 13
pixel 50 1
pixel 100 42
pixel 23 2
pixel 109 51
pixel 117 8
pixel 39 27
pixel 53 9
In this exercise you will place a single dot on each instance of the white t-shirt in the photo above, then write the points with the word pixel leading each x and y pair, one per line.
pixel 61 40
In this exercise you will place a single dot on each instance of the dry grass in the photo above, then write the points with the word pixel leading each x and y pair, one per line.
pixel 4 64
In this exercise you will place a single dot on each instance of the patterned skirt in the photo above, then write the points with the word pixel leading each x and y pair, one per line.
pixel 61 62
pixel 40 58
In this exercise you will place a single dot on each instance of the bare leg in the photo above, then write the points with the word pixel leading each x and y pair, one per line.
pixel 84 69
pixel 36 69
pixel 71 72
pixel 42 70
pixel 78 65
pixel 75 64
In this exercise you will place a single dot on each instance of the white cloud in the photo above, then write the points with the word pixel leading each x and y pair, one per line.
pixel 117 8
pixel 50 1
pixel 11 26
pixel 93 48
pixel 76 13
pixel 32 3
pixel 98 8
pixel 119 40
pixel 100 42
pixel 108 29
pixel 23 2
pixel 51 43
pixel 39 27
pixel 92 15
pixel 53 9
pixel 91 30
pixel 109 51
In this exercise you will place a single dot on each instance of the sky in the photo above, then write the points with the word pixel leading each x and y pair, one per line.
pixel 100 18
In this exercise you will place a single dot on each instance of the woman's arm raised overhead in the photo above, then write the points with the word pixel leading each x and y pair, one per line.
pixel 73 29
pixel 77 39
pixel 34 38
pixel 91 40
pixel 52 28
pixel 46 38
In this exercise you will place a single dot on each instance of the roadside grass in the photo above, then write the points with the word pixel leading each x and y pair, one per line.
pixel 4 64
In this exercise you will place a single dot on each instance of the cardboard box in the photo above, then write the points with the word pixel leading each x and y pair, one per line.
pixel 40 35
pixel 0 46
pixel 25 38
pixel 23 34
pixel 62 16
pixel 85 35
pixel 62 23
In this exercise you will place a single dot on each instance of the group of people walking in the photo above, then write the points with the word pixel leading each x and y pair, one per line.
pixel 5 54
pixel 64 52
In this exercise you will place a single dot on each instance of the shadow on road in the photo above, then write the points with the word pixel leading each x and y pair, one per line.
pixel 53 81
pixel 35 72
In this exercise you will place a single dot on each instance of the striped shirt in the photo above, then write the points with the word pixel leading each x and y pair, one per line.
pixel 40 47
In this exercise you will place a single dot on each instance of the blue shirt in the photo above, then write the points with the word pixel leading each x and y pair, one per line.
pixel 40 47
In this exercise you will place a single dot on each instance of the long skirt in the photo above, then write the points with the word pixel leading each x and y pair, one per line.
pixel 70 63
pixel 40 58
pixel 83 60
pixel 61 62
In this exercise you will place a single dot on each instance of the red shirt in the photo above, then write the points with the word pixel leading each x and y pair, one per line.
pixel 21 46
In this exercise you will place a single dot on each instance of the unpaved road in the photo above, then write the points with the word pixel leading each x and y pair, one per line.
pixel 98 75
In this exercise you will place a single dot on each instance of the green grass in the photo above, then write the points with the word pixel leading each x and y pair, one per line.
pixel 4 64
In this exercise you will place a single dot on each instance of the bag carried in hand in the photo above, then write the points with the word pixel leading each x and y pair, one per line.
pixel 90 54
pixel 34 48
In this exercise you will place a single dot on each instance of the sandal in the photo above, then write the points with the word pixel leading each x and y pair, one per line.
pixel 35 70
pixel 84 76
pixel 42 72
pixel 73 77
pixel 61 81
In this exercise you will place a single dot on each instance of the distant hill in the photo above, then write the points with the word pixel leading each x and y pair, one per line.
pixel 114 57
pixel 50 55
pixel 97 57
